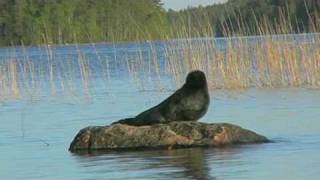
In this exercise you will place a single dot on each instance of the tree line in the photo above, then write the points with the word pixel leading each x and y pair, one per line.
pixel 251 17
pixel 32 22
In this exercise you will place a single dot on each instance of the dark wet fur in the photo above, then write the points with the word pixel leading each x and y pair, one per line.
pixel 189 103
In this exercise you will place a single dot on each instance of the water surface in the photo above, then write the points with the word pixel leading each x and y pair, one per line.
pixel 35 131
pixel 35 137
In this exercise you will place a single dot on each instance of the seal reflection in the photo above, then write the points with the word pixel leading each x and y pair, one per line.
pixel 190 163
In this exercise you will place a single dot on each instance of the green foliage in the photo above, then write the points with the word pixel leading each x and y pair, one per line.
pixel 77 21
pixel 251 17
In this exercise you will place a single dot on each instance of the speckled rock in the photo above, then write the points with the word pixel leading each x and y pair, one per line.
pixel 173 135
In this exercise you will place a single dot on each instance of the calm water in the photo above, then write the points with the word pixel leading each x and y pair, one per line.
pixel 35 134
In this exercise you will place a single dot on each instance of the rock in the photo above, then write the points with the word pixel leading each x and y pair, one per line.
pixel 173 135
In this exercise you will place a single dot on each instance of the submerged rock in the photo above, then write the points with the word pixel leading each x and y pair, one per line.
pixel 172 135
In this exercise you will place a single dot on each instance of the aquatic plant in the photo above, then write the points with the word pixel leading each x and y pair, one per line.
pixel 274 58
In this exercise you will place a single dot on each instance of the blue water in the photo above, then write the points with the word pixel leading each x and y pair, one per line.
pixel 35 132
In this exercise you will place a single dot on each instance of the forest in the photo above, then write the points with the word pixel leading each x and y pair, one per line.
pixel 31 22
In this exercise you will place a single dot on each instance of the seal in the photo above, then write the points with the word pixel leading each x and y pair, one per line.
pixel 189 103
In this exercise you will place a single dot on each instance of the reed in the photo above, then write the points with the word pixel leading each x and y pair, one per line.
pixel 272 59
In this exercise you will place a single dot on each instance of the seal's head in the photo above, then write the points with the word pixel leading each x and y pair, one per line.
pixel 196 79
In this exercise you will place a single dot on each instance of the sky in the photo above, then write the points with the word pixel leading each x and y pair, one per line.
pixel 182 4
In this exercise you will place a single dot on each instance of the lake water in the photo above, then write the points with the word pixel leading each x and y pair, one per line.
pixel 35 131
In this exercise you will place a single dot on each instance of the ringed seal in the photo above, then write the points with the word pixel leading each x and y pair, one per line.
pixel 189 103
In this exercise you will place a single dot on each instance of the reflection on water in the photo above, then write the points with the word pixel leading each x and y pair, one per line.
pixel 34 138
pixel 193 163
pixel 35 134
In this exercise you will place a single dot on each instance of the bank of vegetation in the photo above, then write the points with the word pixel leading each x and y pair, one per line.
pixel 32 22
pixel 273 59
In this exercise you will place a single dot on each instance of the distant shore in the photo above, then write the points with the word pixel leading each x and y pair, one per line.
pixel 84 21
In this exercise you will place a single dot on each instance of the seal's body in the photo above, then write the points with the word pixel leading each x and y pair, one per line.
pixel 189 103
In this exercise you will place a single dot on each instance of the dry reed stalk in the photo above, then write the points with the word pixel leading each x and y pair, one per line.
pixel 85 74
pixel 14 79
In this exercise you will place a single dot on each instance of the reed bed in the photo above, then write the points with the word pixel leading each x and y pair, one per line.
pixel 234 62
pixel 264 62
pixel 273 58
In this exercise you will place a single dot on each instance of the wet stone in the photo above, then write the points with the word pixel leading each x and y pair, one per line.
pixel 180 134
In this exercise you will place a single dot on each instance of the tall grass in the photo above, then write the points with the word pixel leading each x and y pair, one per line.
pixel 272 59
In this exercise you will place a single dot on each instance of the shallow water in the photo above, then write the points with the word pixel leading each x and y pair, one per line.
pixel 35 131
pixel 35 137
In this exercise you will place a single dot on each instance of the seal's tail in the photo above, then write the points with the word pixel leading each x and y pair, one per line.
pixel 128 121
